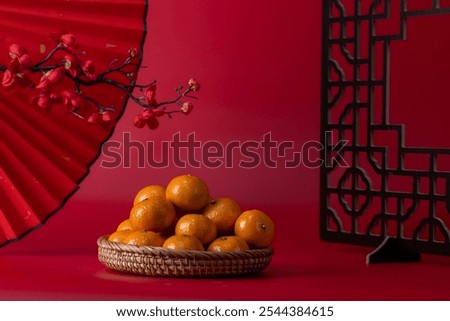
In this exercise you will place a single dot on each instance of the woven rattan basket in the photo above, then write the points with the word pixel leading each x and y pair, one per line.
pixel 157 261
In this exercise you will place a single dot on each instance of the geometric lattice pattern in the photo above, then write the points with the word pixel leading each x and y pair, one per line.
pixel 373 186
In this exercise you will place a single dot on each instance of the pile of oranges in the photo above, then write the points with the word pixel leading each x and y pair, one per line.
pixel 183 216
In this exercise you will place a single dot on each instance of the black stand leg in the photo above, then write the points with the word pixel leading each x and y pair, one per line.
pixel 393 250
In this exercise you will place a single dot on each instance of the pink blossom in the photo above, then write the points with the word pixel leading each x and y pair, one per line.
pixel 193 84
pixel 187 107
pixel 133 52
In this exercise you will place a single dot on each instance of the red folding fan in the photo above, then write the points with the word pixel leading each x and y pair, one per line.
pixel 46 152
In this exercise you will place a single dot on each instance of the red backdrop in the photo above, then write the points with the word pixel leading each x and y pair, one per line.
pixel 259 67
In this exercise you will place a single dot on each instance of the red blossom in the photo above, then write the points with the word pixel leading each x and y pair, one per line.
pixel 68 40
pixel 54 96
pixel 187 107
pixel 15 66
pixel 148 117
pixel 82 73
pixel 139 121
pixel 102 117
pixel 15 74
pixel 158 112
pixel 44 101
pixel 25 61
pixel 54 76
pixel 153 122
pixel 16 51
pixel 89 69
pixel 51 77
pixel 131 76
pixel 107 116
pixel 150 94
pixel 43 84
pixel 23 80
pixel 19 53
pixel 8 79
pixel 71 99
pixel 94 118
pixel 72 65
pixel 147 114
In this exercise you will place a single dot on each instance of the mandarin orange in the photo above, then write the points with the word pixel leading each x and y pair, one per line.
pixel 125 225
pixel 228 244
pixel 144 238
pixel 183 242
pixel 154 214
pixel 256 228
pixel 187 192
pixel 149 192
pixel 223 212
pixel 197 225
pixel 119 236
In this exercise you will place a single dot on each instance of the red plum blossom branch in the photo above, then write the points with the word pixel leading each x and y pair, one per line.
pixel 61 77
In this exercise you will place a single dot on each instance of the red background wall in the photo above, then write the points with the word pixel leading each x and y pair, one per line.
pixel 259 67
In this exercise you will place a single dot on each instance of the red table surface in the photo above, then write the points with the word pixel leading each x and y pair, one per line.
pixel 59 262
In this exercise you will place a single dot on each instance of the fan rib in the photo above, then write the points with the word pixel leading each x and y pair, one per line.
pixel 58 184
pixel 64 159
pixel 56 132
pixel 14 204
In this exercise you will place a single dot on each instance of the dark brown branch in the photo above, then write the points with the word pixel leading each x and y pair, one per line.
pixel 51 53
pixel 81 78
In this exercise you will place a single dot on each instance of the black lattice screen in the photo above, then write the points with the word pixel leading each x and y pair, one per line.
pixel 369 189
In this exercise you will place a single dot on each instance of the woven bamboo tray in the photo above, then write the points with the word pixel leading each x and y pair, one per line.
pixel 157 261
